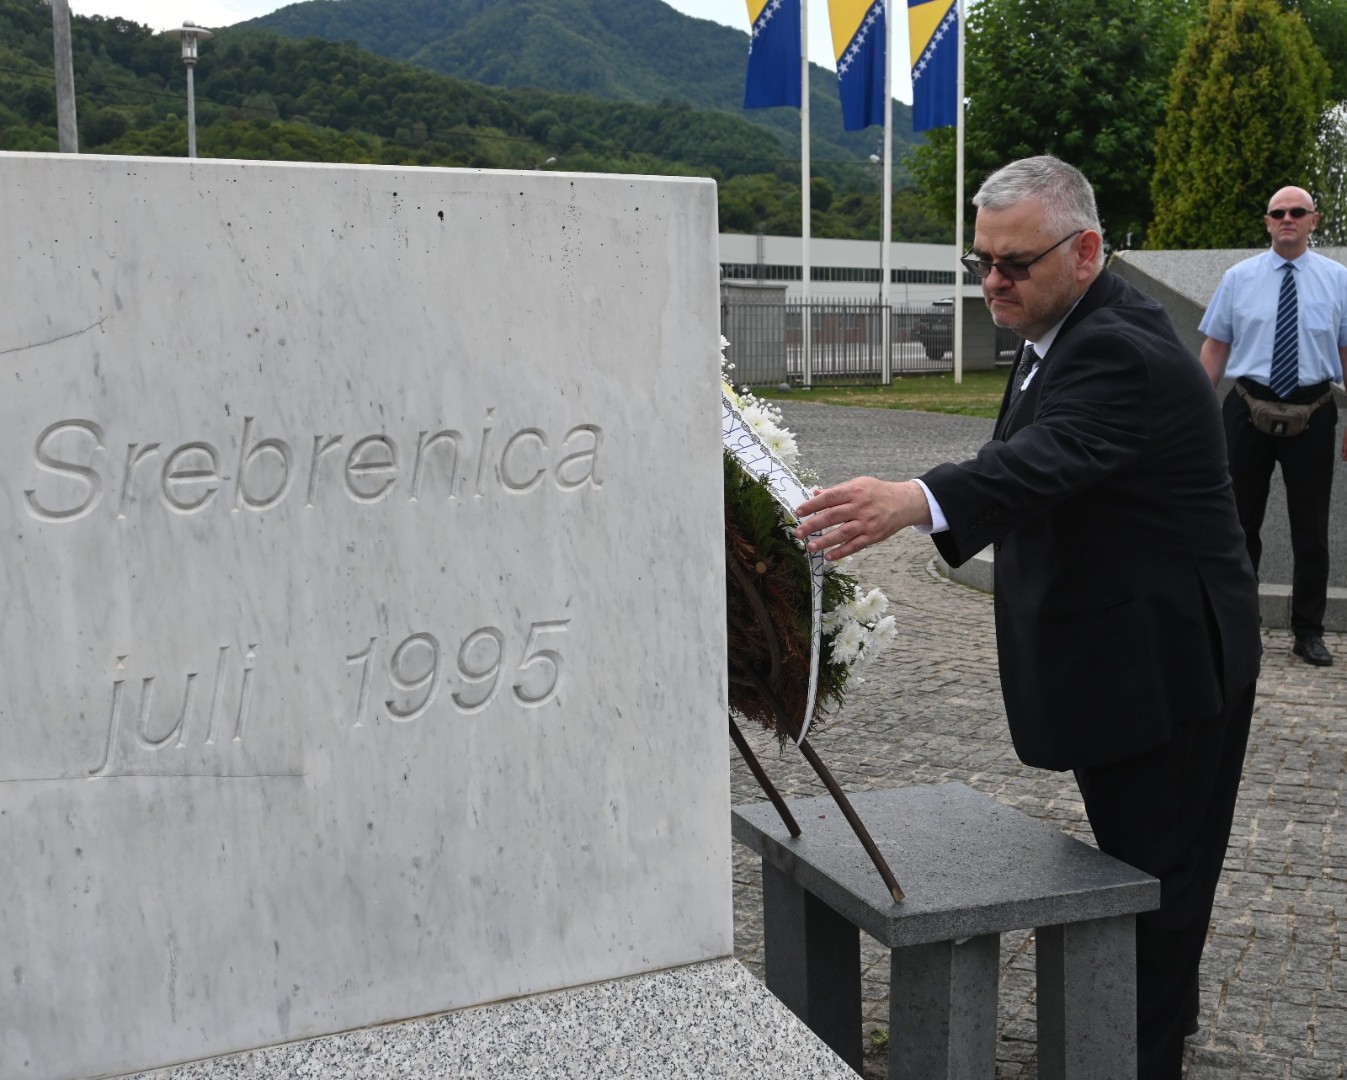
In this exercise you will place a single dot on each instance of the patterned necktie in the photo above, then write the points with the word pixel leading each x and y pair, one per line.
pixel 1285 360
pixel 1024 363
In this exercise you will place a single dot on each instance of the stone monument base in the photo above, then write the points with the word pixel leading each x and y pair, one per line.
pixel 699 1022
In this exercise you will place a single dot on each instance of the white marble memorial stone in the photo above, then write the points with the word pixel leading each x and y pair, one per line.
pixel 363 598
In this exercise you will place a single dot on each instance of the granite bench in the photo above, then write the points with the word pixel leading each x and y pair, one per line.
pixel 972 869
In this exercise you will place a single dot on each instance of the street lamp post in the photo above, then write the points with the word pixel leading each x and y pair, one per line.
pixel 190 33
pixel 67 134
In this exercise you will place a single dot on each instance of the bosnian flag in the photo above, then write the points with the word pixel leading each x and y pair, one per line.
pixel 773 76
pixel 860 39
pixel 933 28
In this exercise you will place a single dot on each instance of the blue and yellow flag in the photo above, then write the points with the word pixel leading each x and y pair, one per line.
pixel 773 54
pixel 860 40
pixel 933 28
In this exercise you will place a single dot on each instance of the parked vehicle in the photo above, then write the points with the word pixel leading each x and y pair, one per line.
pixel 935 328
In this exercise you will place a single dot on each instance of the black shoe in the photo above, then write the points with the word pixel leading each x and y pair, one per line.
pixel 1191 1028
pixel 1312 650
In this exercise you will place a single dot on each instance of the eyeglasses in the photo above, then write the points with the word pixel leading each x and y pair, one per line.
pixel 1014 271
pixel 1296 212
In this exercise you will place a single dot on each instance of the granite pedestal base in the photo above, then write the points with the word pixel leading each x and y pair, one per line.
pixel 708 1021
pixel 972 869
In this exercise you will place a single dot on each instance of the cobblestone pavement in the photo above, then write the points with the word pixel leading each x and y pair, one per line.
pixel 1274 976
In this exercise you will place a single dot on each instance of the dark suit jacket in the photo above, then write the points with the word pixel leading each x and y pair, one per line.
pixel 1125 600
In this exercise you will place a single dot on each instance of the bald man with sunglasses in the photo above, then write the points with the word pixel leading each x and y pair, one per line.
pixel 1126 609
pixel 1277 325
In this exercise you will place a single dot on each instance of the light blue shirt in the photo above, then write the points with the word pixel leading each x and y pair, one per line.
pixel 1244 313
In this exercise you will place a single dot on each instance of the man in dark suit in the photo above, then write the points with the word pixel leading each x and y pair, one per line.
pixel 1126 607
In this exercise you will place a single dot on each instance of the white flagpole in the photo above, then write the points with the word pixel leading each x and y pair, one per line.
pixel 958 209
pixel 886 204
pixel 805 327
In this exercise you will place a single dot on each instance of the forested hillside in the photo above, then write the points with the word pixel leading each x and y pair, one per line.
pixel 635 50
pixel 262 96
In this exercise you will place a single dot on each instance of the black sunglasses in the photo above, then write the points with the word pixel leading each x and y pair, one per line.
pixel 1014 271
pixel 1296 212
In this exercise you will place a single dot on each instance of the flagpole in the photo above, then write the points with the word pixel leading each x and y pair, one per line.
pixel 805 320
pixel 886 205
pixel 958 208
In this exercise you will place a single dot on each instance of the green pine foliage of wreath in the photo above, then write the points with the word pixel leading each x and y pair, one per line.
pixel 758 537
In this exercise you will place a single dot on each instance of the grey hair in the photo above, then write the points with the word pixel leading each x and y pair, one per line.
pixel 1067 198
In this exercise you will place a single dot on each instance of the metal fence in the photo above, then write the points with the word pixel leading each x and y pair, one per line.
pixel 846 343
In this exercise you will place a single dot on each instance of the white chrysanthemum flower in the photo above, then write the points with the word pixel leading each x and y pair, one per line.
pixel 782 444
pixel 842 655
pixel 751 413
pixel 849 606
pixel 759 421
pixel 883 631
pixel 847 643
pixel 876 638
pixel 871 606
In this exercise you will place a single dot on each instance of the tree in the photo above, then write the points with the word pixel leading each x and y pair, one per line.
pixel 1081 79
pixel 1241 122
pixel 1330 185
pixel 1327 20
pixel 821 194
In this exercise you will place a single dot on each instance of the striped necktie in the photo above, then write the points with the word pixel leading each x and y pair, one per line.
pixel 1285 351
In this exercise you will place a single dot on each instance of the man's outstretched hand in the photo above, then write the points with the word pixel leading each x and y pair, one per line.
pixel 852 516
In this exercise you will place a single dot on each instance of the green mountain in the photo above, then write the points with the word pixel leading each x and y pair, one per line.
pixel 625 50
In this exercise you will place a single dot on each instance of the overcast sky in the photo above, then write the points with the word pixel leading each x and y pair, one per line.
pixel 162 14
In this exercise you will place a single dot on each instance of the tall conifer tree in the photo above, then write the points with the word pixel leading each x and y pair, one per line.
pixel 1241 122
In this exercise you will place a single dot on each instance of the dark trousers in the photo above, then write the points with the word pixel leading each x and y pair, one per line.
pixel 1168 812
pixel 1307 471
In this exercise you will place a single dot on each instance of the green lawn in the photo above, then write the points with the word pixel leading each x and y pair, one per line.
pixel 978 395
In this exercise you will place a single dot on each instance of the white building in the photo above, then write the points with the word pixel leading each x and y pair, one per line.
pixel 842 269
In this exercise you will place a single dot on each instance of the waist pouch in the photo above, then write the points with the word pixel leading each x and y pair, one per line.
pixel 1281 418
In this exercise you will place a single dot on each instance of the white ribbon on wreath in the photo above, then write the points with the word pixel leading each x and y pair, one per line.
pixel 757 457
